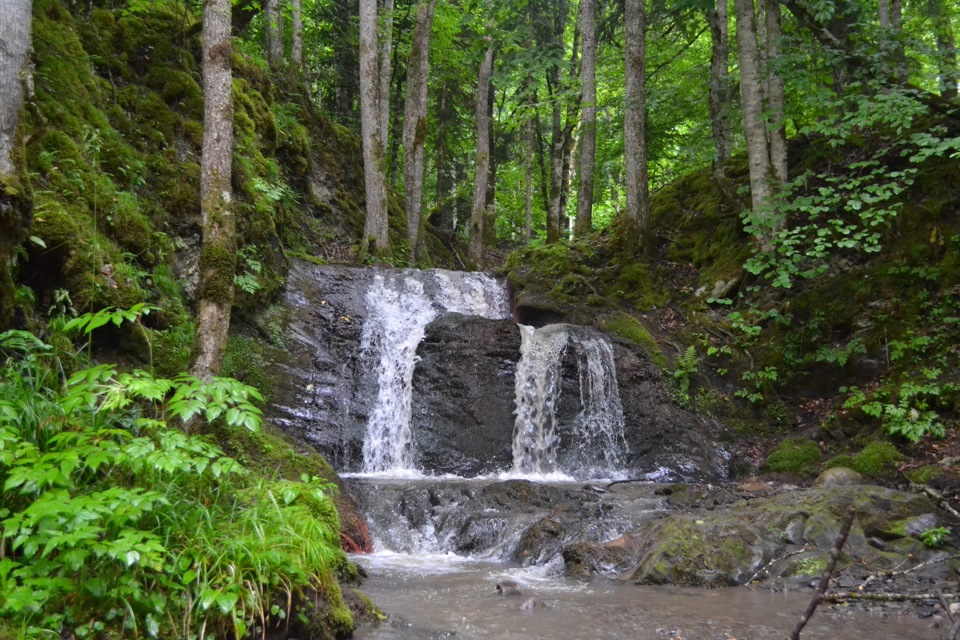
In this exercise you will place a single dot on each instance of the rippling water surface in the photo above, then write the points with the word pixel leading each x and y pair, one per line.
pixel 445 596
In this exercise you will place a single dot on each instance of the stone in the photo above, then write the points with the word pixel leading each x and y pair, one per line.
pixel 838 476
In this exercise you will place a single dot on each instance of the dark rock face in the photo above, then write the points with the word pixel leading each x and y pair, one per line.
pixel 463 388
pixel 463 395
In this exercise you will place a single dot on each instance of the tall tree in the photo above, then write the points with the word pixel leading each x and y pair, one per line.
pixel 559 134
pixel 273 31
pixel 719 84
pixel 939 12
pixel 386 59
pixel 588 118
pixel 776 131
pixel 345 61
pixel 296 39
pixel 481 174
pixel 528 177
pixel 415 123
pixel 375 230
pixel 637 211
pixel 754 125
pixel 15 201
pixel 218 255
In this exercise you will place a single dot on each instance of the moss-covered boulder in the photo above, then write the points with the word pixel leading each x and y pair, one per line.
pixel 794 455
pixel 787 536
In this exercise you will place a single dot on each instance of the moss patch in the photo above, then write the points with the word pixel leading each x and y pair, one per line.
pixel 794 455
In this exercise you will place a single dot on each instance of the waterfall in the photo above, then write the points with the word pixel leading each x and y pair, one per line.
pixel 597 436
pixel 400 305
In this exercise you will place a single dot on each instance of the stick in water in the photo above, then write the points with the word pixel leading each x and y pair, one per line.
pixel 827 573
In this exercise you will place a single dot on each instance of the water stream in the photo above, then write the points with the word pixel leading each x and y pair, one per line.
pixel 444 543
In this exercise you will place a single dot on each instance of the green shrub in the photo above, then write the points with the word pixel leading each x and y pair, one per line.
pixel 795 455
pixel 118 524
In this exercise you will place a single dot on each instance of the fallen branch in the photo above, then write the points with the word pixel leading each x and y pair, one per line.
pixel 853 596
pixel 894 572
pixel 764 568
pixel 827 573
pixel 952 634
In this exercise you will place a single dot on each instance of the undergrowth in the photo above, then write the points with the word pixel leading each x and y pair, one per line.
pixel 115 521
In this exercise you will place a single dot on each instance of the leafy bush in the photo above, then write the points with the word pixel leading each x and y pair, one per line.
pixel 113 520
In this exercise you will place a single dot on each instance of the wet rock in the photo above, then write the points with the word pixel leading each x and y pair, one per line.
pixel 532 604
pixel 508 588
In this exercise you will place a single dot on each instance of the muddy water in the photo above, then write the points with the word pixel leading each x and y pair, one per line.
pixel 444 596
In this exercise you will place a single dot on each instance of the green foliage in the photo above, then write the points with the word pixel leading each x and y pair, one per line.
pixel 115 521
pixel 934 537
pixel 794 455
pixel 686 367
pixel 850 208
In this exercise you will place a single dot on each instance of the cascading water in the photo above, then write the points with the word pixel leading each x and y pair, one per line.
pixel 400 306
pixel 597 429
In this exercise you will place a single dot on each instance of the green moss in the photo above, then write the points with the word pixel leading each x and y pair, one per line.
pixel 878 459
pixel 623 325
pixel 794 455
pixel 218 262
pixel 926 474
pixel 247 360
pixel 842 460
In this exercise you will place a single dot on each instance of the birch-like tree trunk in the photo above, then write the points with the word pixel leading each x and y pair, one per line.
pixel 273 31
pixel 296 41
pixel 719 84
pixel 776 131
pixel 588 117
pixel 15 197
pixel 376 232
pixel 637 210
pixel 218 255
pixel 386 59
pixel 482 166
pixel 528 177
pixel 415 123
pixel 754 126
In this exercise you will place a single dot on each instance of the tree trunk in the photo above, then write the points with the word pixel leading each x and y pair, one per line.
pixel 296 45
pixel 15 195
pixel 528 177
pixel 415 123
pixel 556 162
pixel 637 210
pixel 482 167
pixel 946 48
pixel 345 59
pixel 375 234
pixel 218 255
pixel 490 210
pixel 588 118
pixel 776 131
pixel 719 85
pixel 273 31
pixel 754 127
pixel 386 52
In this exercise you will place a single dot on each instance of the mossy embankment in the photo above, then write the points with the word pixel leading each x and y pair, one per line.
pixel 866 349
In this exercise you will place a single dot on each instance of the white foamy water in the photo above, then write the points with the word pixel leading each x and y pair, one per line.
pixel 598 428
pixel 400 306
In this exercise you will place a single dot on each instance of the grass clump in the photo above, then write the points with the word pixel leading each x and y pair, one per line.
pixel 794 455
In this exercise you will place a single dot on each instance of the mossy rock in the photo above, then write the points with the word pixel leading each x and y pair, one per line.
pixel 794 455
pixel 927 474
pixel 623 325
pixel 878 459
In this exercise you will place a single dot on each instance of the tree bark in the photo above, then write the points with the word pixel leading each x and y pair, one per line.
pixel 482 167
pixel 776 131
pixel 637 210
pixel 15 195
pixel 345 59
pixel 588 118
pixel 490 210
pixel 719 84
pixel 296 44
pixel 218 255
pixel 946 48
pixel 415 123
pixel 386 53
pixel 528 177
pixel 273 31
pixel 557 137
pixel 754 127
pixel 376 233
